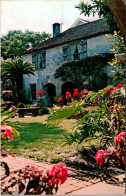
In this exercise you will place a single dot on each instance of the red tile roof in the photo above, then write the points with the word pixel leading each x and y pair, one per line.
pixel 79 32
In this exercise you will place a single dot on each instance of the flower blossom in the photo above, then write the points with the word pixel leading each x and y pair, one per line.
pixel 76 92
pixel 83 91
pixel 60 99
pixel 7 131
pixel 113 90
pixel 59 174
pixel 107 91
pixel 120 139
pixel 68 95
pixel 40 92
pixel 119 85
pixel 101 157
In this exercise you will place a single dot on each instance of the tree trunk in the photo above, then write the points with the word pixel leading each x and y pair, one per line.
pixel 19 84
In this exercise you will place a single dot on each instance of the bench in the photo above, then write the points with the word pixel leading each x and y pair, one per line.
pixel 22 111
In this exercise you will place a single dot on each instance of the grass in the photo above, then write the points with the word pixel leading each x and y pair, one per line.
pixel 39 141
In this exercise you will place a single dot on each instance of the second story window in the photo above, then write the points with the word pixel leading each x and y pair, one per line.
pixel 83 48
pixel 65 53
pixel 33 59
pixel 76 54
pixel 42 60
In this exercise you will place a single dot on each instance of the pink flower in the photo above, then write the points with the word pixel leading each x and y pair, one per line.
pixel 7 130
pixel 68 95
pixel 97 97
pixel 60 99
pixel 100 157
pixel 119 85
pixel 120 139
pixel 76 92
pixel 59 174
pixel 68 103
pixel 113 90
pixel 85 90
pixel 40 92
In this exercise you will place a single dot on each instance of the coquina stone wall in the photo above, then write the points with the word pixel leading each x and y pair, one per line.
pixel 54 58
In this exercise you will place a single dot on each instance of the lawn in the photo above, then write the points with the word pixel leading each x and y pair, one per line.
pixel 39 141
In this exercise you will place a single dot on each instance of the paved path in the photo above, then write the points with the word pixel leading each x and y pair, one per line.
pixel 73 185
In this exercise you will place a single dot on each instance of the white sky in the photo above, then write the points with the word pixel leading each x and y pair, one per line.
pixel 38 15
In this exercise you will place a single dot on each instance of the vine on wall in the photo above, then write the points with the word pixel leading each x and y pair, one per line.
pixel 91 69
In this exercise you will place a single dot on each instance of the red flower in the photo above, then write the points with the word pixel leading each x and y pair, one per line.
pixel 76 92
pixel 95 104
pixel 97 97
pixel 60 99
pixel 68 95
pixel 107 91
pixel 7 130
pixel 119 85
pixel 68 103
pixel 40 92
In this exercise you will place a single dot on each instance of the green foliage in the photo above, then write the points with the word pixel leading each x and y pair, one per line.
pixel 92 68
pixel 14 125
pixel 16 42
pixel 20 105
pixel 12 73
pixel 44 110
pixel 118 48
pixel 101 8
pixel 65 112
pixel 92 126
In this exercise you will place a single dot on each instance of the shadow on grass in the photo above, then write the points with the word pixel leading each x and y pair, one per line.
pixel 36 132
pixel 84 167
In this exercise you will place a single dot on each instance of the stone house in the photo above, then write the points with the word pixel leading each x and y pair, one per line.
pixel 82 40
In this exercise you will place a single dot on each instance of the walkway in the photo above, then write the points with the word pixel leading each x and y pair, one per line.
pixel 73 185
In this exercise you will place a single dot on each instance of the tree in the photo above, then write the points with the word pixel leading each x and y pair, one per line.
pixel 118 48
pixel 12 71
pixel 101 8
pixel 16 42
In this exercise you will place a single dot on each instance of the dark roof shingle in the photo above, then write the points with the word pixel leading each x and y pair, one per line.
pixel 83 31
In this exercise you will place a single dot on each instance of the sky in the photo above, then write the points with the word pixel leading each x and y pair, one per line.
pixel 38 15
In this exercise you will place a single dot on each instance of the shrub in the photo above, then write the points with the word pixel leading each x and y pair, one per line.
pixel 43 110
pixel 20 105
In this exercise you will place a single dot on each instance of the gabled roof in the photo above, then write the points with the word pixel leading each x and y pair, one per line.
pixel 72 34
pixel 78 22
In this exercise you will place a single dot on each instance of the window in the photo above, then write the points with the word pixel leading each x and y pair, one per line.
pixel 33 91
pixel 76 54
pixel 33 59
pixel 42 60
pixel 65 53
pixel 83 49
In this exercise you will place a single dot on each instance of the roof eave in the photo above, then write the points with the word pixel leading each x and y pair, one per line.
pixel 83 37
